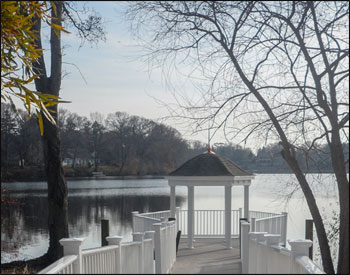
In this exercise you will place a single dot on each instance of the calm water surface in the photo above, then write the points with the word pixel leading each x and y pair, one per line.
pixel 24 225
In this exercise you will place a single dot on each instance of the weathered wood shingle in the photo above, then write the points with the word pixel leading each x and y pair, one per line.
pixel 209 164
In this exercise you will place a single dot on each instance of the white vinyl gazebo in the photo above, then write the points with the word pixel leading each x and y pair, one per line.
pixel 209 169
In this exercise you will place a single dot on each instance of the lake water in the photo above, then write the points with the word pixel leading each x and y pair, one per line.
pixel 24 232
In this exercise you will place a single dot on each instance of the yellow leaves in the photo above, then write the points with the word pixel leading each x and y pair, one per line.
pixel 18 44
pixel 58 27
pixel 41 124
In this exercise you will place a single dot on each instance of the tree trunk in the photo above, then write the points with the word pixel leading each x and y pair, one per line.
pixel 338 163
pixel 57 186
pixel 57 191
pixel 289 156
pixel 315 213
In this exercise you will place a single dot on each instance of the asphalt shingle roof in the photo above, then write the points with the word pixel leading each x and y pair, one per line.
pixel 209 164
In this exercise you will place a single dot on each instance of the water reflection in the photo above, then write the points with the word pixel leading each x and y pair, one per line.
pixel 25 224
pixel 24 228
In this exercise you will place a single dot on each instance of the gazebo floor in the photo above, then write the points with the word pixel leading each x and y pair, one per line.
pixel 209 256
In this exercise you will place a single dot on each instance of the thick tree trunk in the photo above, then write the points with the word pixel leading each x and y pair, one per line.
pixel 57 191
pixel 338 163
pixel 57 187
pixel 315 213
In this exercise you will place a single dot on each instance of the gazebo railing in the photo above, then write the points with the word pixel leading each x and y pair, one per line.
pixel 209 222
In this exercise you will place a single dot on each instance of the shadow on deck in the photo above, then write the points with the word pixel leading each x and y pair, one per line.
pixel 209 256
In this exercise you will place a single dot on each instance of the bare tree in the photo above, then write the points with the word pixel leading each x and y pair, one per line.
pixel 277 70
pixel 57 186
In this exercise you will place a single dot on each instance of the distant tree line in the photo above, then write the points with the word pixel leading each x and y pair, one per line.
pixel 123 144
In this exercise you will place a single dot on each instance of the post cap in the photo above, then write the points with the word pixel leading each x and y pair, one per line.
pixel 300 247
pixel 71 241
pixel 272 239
pixel 258 236
pixel 114 240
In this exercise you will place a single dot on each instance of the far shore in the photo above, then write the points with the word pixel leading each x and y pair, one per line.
pixel 127 177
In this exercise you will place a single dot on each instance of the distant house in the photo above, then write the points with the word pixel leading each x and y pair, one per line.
pixel 78 162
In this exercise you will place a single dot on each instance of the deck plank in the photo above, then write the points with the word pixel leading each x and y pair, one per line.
pixel 209 256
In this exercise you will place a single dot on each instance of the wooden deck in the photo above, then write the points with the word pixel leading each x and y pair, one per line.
pixel 209 256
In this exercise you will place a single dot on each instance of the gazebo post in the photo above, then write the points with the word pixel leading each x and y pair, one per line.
pixel 228 208
pixel 246 202
pixel 190 216
pixel 172 202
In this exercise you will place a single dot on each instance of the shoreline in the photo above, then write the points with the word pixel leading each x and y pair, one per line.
pixel 134 177
pixel 128 177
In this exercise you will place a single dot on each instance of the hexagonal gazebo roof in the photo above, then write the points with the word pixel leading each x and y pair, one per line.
pixel 209 164
pixel 209 169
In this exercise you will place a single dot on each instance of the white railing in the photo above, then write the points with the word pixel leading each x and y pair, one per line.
pixel 100 260
pixel 62 266
pixel 209 222
pixel 261 215
pixel 165 244
pixel 131 258
pixel 270 223
pixel 116 258
pixel 261 253
pixel 141 223
pixel 134 257
pixel 157 215
pixel 149 263
pixel 212 222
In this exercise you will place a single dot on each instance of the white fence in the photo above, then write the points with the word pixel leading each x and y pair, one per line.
pixel 141 223
pixel 156 215
pixel 62 266
pixel 166 254
pixel 212 222
pixel 209 222
pixel 262 254
pixel 121 258
pixel 270 223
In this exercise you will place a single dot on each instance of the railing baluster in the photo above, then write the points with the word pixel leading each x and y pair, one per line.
pixel 196 224
pixel 213 223
pixel 209 222
pixel 206 222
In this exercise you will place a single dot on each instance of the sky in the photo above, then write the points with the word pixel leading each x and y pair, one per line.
pixel 113 77
pixel 110 76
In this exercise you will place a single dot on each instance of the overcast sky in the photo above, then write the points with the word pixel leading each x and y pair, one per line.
pixel 111 76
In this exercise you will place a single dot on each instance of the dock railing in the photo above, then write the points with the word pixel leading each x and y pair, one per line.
pixel 134 257
pixel 165 246
pixel 270 223
pixel 262 253
pixel 142 222
pixel 211 223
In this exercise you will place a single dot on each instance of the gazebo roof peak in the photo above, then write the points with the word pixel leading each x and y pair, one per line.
pixel 209 164
pixel 209 151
